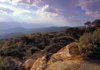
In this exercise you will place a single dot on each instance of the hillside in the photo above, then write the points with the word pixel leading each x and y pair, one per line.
pixel 11 35
pixel 14 32
pixel 47 29
pixel 69 49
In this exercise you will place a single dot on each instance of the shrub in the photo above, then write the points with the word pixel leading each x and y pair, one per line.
pixel 74 50
pixel 3 63
pixel 53 48
pixel 90 29
pixel 62 39
pixel 90 44
pixel 16 53
pixel 34 49
pixel 57 43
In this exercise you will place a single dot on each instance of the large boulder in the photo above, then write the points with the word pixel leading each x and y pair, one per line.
pixel 61 55
pixel 64 53
pixel 41 63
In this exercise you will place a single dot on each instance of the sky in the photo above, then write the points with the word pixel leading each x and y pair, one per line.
pixel 49 12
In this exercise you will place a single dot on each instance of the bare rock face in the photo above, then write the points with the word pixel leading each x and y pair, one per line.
pixel 63 54
pixel 41 63
pixel 28 64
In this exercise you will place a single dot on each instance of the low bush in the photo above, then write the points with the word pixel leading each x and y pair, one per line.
pixel 3 63
pixel 34 49
pixel 90 44
pixel 74 50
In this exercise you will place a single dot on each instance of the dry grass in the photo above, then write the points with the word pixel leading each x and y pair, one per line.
pixel 74 65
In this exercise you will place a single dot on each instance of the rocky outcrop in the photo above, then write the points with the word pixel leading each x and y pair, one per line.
pixel 28 64
pixel 42 63
pixel 61 55
pixel 73 49
pixel 62 60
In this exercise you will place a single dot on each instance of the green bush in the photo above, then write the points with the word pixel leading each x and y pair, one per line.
pixel 62 39
pixel 34 49
pixel 74 48
pixel 15 53
pixel 57 43
pixel 90 44
pixel 53 48
pixel 3 63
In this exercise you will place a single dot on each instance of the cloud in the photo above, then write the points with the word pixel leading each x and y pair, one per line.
pixel 50 11
pixel 55 11
pixel 92 7
pixel 3 12
pixel 47 11
pixel 16 10
pixel 68 9
pixel 6 10
pixel 28 2
pixel 47 8
pixel 65 8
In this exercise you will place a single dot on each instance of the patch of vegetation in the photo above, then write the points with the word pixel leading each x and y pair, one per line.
pixel 90 44
pixel 3 63
pixel 74 50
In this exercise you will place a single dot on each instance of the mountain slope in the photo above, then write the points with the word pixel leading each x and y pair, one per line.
pixel 11 35
pixel 47 29
pixel 14 32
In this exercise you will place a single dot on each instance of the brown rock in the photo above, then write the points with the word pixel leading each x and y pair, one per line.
pixel 28 64
pixel 63 54
pixel 40 64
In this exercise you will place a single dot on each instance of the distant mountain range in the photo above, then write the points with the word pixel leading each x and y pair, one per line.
pixel 9 25
pixel 14 32
pixel 11 35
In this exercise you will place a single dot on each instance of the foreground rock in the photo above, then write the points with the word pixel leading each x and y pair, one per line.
pixel 28 64
pixel 42 63
pixel 66 58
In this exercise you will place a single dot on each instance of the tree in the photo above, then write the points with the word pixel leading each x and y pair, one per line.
pixel 73 32
pixel 96 23
pixel 88 23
